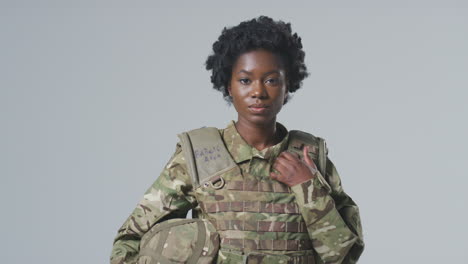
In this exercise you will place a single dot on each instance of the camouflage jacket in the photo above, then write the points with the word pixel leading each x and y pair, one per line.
pixel 332 219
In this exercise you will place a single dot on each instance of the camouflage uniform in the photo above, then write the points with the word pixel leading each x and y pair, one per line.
pixel 324 222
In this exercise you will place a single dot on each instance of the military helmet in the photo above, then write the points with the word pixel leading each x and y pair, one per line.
pixel 179 241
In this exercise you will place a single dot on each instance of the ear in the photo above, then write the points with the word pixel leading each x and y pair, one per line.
pixel 229 89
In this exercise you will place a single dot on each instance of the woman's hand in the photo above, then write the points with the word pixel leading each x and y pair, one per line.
pixel 292 170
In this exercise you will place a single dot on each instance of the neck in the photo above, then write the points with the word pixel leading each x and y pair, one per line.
pixel 260 136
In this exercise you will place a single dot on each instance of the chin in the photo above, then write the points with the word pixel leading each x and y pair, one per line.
pixel 261 119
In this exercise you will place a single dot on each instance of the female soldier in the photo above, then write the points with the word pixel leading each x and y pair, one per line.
pixel 269 202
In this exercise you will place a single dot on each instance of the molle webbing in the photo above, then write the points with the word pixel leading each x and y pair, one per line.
pixel 260 226
pixel 205 154
pixel 270 244
pixel 260 259
pixel 251 206
pixel 257 186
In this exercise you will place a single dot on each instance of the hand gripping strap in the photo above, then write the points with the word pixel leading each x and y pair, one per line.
pixel 298 139
pixel 318 149
pixel 205 154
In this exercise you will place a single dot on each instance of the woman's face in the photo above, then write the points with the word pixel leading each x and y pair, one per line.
pixel 258 86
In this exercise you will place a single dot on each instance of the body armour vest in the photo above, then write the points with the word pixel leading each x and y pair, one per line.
pixel 257 218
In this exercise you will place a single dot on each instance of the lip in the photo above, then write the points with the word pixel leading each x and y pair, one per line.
pixel 258 108
pixel 258 105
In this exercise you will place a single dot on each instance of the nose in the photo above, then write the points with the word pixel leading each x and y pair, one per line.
pixel 258 90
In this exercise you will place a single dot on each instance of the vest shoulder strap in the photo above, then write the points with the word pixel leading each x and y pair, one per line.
pixel 205 154
pixel 317 149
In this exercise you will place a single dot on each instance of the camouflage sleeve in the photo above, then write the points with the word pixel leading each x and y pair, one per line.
pixel 170 196
pixel 332 218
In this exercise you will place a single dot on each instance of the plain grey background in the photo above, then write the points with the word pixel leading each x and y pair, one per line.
pixel 93 93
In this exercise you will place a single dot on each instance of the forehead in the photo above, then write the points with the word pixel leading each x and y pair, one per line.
pixel 258 60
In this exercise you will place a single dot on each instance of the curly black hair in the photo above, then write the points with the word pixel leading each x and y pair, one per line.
pixel 258 33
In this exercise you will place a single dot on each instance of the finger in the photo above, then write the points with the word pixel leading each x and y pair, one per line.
pixel 284 164
pixel 282 158
pixel 307 159
pixel 306 156
pixel 288 160
pixel 274 175
pixel 290 156
pixel 281 168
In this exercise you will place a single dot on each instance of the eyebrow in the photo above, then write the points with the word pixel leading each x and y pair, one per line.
pixel 267 73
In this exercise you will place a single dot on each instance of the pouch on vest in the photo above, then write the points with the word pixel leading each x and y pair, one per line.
pixel 179 241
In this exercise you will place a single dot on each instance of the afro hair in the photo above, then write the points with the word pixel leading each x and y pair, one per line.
pixel 258 33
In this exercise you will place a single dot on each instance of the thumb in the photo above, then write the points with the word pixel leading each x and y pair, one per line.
pixel 307 159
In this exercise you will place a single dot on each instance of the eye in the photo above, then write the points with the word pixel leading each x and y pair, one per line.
pixel 272 81
pixel 244 80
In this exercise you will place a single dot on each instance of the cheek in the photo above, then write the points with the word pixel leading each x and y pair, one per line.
pixel 236 96
pixel 280 94
pixel 239 92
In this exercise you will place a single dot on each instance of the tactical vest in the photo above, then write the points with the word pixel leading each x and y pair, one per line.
pixel 258 220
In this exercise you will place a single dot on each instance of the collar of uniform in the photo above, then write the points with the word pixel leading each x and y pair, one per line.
pixel 241 150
